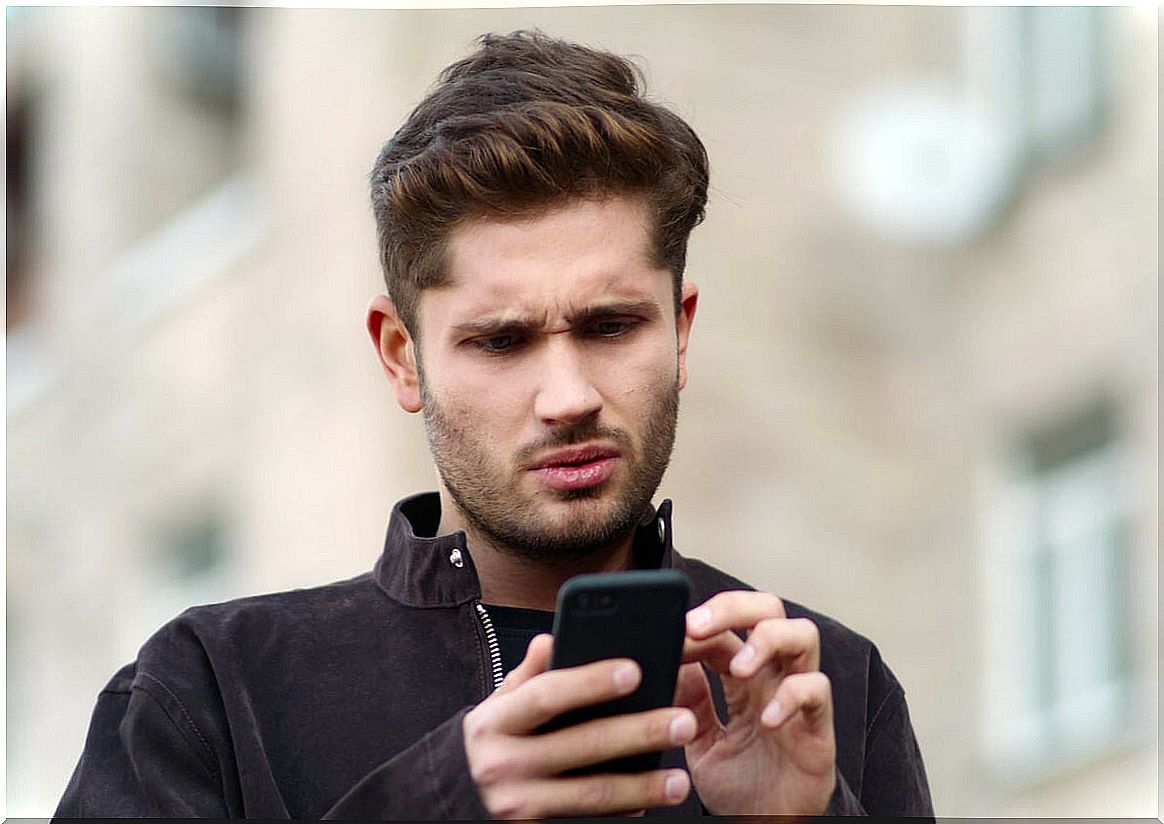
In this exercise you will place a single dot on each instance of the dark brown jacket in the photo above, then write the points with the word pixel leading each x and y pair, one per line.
pixel 346 701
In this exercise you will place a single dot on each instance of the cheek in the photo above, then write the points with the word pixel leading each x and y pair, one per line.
pixel 489 405
pixel 635 380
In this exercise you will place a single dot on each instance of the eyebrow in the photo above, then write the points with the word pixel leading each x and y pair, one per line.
pixel 513 325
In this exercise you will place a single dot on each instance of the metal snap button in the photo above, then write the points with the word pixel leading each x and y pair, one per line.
pixel 455 558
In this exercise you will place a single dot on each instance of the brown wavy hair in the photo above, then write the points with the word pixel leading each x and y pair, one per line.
pixel 526 122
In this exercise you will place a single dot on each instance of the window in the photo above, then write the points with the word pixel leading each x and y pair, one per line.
pixel 1057 666
pixel 1065 88
pixel 200 51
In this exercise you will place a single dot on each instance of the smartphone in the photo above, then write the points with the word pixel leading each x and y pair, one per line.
pixel 639 615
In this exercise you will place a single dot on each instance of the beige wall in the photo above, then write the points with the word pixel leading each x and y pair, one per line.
pixel 847 392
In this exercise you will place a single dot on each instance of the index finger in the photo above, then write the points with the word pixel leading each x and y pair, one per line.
pixel 536 661
pixel 717 651
pixel 732 610
pixel 549 694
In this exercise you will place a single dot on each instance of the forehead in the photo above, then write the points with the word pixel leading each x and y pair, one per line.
pixel 566 257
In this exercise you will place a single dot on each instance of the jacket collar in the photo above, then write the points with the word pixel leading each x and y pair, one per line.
pixel 421 569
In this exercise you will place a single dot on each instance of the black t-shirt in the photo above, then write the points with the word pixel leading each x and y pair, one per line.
pixel 515 628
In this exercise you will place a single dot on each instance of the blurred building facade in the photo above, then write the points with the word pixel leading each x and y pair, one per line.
pixel 943 433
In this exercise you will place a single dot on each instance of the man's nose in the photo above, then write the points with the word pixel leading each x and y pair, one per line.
pixel 567 394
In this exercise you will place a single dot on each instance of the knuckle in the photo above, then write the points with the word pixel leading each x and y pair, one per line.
pixel 767 630
pixel 510 803
pixel 651 730
pixel 482 773
pixel 596 794
pixel 475 726
pixel 789 690
pixel 772 604
pixel 488 768
pixel 541 698
pixel 589 738
pixel 806 687
pixel 658 729
pixel 810 630
pixel 800 689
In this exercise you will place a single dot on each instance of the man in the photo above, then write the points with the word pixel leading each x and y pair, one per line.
pixel 533 216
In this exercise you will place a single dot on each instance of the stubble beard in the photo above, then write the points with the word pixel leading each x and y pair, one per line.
pixel 486 487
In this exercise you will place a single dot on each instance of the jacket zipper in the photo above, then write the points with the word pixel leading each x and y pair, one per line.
pixel 492 646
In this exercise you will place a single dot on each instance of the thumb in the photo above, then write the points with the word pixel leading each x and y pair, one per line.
pixel 536 661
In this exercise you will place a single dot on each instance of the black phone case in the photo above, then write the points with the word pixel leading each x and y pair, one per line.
pixel 638 615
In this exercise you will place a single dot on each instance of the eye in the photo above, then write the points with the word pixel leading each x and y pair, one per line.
pixel 612 328
pixel 497 344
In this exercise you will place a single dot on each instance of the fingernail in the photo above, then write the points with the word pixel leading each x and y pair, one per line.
pixel 677 786
pixel 699 618
pixel 744 659
pixel 626 676
pixel 682 729
pixel 773 714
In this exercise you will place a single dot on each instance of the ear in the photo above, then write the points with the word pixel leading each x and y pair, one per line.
pixel 396 350
pixel 688 299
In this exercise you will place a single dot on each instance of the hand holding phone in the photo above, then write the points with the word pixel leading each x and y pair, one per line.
pixel 524 770
pixel 638 615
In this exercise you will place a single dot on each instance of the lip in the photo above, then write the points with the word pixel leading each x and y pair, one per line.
pixel 575 456
pixel 583 467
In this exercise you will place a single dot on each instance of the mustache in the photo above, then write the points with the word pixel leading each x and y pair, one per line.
pixel 588 430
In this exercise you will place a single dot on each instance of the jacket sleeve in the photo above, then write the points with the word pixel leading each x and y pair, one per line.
pixel 429 780
pixel 893 782
pixel 139 761
pixel 145 757
pixel 843 801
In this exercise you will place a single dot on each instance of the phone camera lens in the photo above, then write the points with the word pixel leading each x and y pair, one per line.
pixel 584 601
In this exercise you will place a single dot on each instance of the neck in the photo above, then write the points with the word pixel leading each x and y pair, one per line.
pixel 510 580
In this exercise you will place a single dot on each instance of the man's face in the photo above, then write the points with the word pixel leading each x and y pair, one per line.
pixel 551 367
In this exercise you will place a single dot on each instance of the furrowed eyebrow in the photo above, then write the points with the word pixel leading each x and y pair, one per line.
pixel 528 325
pixel 647 308
pixel 497 326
